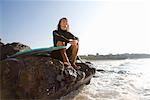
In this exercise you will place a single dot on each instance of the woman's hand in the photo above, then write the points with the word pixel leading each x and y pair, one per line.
pixel 73 42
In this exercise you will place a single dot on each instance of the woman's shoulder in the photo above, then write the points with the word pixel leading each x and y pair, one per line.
pixel 55 31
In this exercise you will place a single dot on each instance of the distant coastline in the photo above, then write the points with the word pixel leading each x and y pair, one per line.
pixel 115 57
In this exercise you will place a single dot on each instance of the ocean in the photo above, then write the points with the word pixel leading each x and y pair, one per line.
pixel 121 80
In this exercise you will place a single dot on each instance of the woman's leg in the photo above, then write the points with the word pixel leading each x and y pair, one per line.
pixel 72 52
pixel 63 53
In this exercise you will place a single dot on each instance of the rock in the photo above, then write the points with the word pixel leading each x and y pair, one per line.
pixel 1 44
pixel 100 70
pixel 11 48
pixel 40 77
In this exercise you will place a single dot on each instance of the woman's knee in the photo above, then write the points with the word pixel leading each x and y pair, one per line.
pixel 60 43
pixel 75 46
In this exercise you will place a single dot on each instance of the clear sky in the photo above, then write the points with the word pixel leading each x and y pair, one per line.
pixel 103 26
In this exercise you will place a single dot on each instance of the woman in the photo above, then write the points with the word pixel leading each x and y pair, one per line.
pixel 62 37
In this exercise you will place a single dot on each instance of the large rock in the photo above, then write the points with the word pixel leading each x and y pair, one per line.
pixel 40 77
pixel 11 48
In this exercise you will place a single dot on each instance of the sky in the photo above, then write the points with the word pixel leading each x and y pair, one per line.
pixel 102 26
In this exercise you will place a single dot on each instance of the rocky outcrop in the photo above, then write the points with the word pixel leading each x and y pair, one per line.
pixel 40 77
pixel 11 48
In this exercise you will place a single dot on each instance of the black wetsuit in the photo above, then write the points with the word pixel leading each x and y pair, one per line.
pixel 62 35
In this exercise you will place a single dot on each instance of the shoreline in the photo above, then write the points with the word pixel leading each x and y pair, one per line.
pixel 115 57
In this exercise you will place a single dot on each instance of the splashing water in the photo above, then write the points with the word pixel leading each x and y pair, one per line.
pixel 121 80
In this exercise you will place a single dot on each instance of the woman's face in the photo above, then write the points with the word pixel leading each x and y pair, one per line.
pixel 64 24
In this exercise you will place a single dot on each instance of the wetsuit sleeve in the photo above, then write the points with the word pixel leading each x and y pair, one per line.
pixel 57 37
pixel 71 36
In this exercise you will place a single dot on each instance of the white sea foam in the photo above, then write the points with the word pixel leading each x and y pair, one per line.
pixel 122 80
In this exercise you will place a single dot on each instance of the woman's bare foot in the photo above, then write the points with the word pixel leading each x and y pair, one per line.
pixel 67 65
pixel 75 66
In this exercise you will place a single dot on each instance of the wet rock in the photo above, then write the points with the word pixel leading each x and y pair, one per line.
pixel 100 70
pixel 122 72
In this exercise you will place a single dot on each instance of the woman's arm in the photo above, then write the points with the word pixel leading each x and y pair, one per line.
pixel 59 37
pixel 73 39
pixel 71 36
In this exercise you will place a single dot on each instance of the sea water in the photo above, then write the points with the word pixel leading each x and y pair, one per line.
pixel 120 80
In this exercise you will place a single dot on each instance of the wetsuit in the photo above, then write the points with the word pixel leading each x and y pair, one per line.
pixel 62 35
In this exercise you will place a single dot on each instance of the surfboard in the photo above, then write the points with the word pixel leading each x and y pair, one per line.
pixel 38 50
